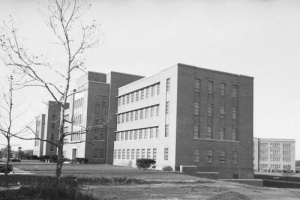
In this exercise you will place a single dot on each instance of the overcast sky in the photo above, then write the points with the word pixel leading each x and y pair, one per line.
pixel 258 38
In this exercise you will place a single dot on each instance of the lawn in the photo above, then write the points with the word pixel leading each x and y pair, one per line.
pixel 155 184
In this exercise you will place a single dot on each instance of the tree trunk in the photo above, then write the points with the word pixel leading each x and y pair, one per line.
pixel 7 158
pixel 59 158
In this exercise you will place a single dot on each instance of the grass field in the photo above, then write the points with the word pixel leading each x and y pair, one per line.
pixel 161 185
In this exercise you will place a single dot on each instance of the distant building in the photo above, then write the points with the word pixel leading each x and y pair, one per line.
pixel 186 115
pixel 273 155
pixel 40 129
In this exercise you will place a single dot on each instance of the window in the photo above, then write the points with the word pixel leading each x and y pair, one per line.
pixel 123 118
pixel 154 153
pixel 234 157
pixel 142 94
pixel 131 116
pixel 197 85
pixel 157 132
pixel 152 90
pixel 137 154
pixel 196 132
pixel 151 132
pixel 136 115
pixel 115 154
pixel 126 135
pixel 123 154
pixel 157 110
pixel 234 135
pixel 119 101
pixel 147 92
pixel 196 155
pixel 131 135
pixel 167 130
pixel 127 98
pixel 222 133
pixel 123 100
pixel 135 134
pixel 196 108
pixel 222 111
pixel 132 97
pixel 152 112
pixel 137 95
pixel 143 153
pixel 209 133
pixel 167 107
pixel 146 113
pixel 210 87
pixel 145 133
pixel 95 156
pixel 222 157
pixel 141 114
pixel 222 89
pixel 122 136
pixel 157 90
pixel 102 154
pixel 127 117
pixel 166 154
pixel 141 134
pixel 234 91
pixel 209 110
pixel 119 154
pixel 233 113
pixel 209 156
pixel 148 153
pixel 168 85
pixel 132 154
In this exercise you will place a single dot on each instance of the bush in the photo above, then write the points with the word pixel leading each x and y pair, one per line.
pixel 167 168
pixel 81 160
pixel 145 163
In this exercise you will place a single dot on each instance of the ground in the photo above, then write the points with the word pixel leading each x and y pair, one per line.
pixel 161 185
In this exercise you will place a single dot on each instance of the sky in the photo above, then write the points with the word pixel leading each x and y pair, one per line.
pixel 258 38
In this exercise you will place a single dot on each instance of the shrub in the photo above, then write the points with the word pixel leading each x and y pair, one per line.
pixel 167 168
pixel 145 163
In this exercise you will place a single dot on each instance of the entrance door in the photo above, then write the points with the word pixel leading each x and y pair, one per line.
pixel 74 154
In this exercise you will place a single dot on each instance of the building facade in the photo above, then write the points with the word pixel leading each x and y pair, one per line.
pixel 39 131
pixel 274 155
pixel 186 115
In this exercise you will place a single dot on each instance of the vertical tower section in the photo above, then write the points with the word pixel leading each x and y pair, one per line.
pixel 40 129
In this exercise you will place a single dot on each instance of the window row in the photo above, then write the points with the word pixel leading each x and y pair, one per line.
pixel 286 145
pixel 210 135
pixel 210 110
pixel 139 95
pixel 275 145
pixel 138 134
pixel 78 103
pixel 209 157
pixel 210 86
pixel 143 113
pixel 132 154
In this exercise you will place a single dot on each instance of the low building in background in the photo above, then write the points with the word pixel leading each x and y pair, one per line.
pixel 187 115
pixel 274 155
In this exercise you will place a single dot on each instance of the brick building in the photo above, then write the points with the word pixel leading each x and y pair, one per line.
pixel 186 115
pixel 274 155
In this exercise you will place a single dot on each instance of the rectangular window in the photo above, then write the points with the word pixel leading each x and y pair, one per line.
pixel 115 154
pixel 132 97
pixel 123 118
pixel 196 132
pixel 197 85
pixel 145 133
pixel 196 155
pixel 126 135
pixel 151 132
pixel 209 156
pixel 234 157
pixel 157 132
pixel 137 95
pixel 167 107
pixel 141 114
pixel 123 154
pixel 132 154
pixel 234 91
pixel 147 92
pixel 166 154
pixel 157 110
pixel 222 157
pixel 127 117
pixel 142 94
pixel 123 100
pixel 137 154
pixel 135 134
pixel 119 154
pixel 154 153
pixel 152 112
pixel 131 135
pixel 131 116
pixel 222 89
pixel 168 85
pixel 209 133
pixel 196 108
pixel 152 90
pixel 233 113
pixel 222 133
pixel 143 153
pixel 167 130
pixel 158 87
pixel 146 113
pixel 148 153
pixel 210 87
pixel 136 115
pixel 222 111
pixel 119 101
pixel 122 136
pixel 141 134
pixel 97 108
pixel 102 154
pixel 127 98
pixel 234 135
pixel 209 110
pixel 128 154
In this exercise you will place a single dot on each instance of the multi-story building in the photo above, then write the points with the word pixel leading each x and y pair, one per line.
pixel 186 115
pixel 39 132
pixel 93 110
pixel 273 155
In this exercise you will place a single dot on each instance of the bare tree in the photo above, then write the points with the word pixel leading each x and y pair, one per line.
pixel 7 119
pixel 63 19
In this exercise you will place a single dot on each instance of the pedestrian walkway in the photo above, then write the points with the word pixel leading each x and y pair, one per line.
pixel 19 171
